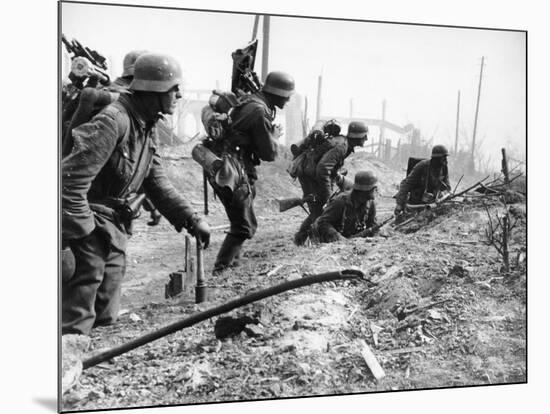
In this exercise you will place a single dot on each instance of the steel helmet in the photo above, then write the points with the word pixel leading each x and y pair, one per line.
pixel 332 128
pixel 129 62
pixel 154 72
pixel 364 181
pixel 439 151
pixel 357 129
pixel 279 83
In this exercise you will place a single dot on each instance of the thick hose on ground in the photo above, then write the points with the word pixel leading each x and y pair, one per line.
pixel 218 310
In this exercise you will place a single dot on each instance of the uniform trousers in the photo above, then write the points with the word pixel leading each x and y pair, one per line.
pixel 92 296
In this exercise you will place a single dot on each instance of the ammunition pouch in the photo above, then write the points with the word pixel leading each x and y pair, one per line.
pixel 121 210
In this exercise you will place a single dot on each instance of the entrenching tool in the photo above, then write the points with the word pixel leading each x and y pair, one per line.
pixel 200 287
pixel 349 274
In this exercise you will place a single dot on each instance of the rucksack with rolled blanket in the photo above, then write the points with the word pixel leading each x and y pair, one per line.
pixel 309 152
pixel 81 107
pixel 212 153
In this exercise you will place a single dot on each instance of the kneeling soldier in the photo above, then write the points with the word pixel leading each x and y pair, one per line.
pixel 426 183
pixel 326 172
pixel 350 214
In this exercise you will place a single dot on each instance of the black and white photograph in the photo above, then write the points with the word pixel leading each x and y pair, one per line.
pixel 253 204
pixel 260 206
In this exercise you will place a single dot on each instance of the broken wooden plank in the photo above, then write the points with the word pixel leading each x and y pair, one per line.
pixel 407 350
pixel 274 270
pixel 371 361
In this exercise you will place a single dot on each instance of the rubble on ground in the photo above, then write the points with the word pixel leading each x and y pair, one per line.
pixel 435 310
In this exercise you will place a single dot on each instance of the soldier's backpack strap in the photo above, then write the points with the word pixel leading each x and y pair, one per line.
pixel 142 165
pixel 90 102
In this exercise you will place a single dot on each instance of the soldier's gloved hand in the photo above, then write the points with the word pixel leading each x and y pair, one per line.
pixel 201 231
pixel 368 232
pixel 278 130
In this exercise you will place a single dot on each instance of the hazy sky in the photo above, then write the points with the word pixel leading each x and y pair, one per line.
pixel 417 69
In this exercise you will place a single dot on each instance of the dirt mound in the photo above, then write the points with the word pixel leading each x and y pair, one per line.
pixel 388 178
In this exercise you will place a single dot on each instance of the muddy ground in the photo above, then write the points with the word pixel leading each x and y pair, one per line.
pixel 436 312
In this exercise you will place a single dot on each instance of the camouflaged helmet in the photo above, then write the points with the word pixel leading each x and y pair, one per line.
pixel 357 129
pixel 332 128
pixel 439 151
pixel 280 84
pixel 364 181
pixel 154 72
pixel 129 62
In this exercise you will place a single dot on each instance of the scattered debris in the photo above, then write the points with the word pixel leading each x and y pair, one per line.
pixel 134 317
pixel 371 361
pixel 305 342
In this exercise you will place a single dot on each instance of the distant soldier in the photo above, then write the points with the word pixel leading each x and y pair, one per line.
pixel 350 214
pixel 427 182
pixel 321 183
pixel 113 157
pixel 123 82
pixel 128 64
pixel 251 138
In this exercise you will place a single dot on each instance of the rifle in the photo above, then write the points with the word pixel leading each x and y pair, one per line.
pixel 243 78
pixel 86 64
pixel 288 203
pixel 441 200
pixel 447 197
pixel 373 229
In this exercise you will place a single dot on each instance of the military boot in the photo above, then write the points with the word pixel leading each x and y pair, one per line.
pixel 300 238
pixel 229 251
pixel 155 218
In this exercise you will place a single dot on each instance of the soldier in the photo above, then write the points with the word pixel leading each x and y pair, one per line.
pixel 427 181
pixel 251 137
pixel 113 156
pixel 128 65
pixel 122 83
pixel 350 214
pixel 326 174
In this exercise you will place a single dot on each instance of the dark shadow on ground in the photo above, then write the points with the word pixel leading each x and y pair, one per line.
pixel 49 403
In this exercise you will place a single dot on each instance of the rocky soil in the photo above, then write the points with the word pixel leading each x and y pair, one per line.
pixel 435 310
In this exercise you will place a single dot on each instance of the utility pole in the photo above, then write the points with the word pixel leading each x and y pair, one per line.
pixel 477 111
pixel 255 29
pixel 319 90
pixel 457 118
pixel 265 47
pixel 351 108
pixel 382 129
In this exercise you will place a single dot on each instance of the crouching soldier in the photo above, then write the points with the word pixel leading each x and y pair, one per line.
pixel 113 157
pixel 321 183
pixel 426 183
pixel 350 214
